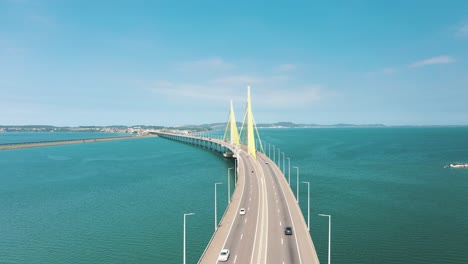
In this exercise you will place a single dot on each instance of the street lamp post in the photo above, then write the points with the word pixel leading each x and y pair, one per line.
pixel 329 235
pixel 274 153
pixel 283 164
pixel 235 171
pixel 216 209
pixel 269 151
pixel 229 184
pixel 184 232
pixel 308 204
pixel 289 171
pixel 279 158
pixel 297 190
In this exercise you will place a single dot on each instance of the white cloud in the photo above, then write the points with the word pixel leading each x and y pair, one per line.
pixel 444 59
pixel 287 67
pixel 389 70
pixel 292 97
pixel 380 72
pixel 463 31
pixel 203 92
pixel 215 63
pixel 241 80
pixel 271 93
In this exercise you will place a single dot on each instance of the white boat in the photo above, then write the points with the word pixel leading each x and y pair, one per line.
pixel 459 165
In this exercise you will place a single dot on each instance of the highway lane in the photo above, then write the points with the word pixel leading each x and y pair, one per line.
pixel 297 248
pixel 261 236
pixel 258 236
pixel 283 248
pixel 240 240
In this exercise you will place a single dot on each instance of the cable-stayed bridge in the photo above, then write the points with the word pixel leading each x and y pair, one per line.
pixel 258 236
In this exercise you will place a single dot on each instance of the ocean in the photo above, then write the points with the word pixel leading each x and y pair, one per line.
pixel 390 197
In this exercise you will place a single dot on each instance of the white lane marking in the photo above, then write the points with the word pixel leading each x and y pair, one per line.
pixel 245 220
pixel 242 236
pixel 276 200
pixel 248 208
pixel 262 245
pixel 281 241
pixel 292 220
pixel 235 258
pixel 237 210
pixel 280 224
pixel 264 230
pixel 250 198
pixel 258 221
pixel 278 210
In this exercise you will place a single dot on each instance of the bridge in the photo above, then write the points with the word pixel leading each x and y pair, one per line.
pixel 258 236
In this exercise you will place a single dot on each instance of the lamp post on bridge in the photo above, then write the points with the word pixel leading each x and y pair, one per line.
pixel 297 190
pixel 283 164
pixel 274 153
pixel 279 158
pixel 184 232
pixel 289 171
pixel 269 151
pixel 308 204
pixel 329 235
pixel 229 184
pixel 235 172
pixel 216 209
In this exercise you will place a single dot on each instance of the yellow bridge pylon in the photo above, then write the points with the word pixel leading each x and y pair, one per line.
pixel 249 125
pixel 231 133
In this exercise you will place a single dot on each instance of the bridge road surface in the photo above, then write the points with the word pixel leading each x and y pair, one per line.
pixel 258 236
pixel 284 211
pixel 237 232
pixel 241 240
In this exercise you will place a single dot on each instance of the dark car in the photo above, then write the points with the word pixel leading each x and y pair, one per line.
pixel 288 230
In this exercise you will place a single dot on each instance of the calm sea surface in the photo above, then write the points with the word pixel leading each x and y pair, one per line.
pixel 390 197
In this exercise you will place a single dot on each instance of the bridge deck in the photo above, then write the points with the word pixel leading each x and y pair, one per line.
pixel 258 236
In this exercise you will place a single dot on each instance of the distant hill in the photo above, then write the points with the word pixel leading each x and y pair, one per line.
pixel 203 127
pixel 219 126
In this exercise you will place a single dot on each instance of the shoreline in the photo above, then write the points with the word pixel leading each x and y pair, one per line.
pixel 68 142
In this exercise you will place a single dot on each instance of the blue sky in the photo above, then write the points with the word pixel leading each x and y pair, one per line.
pixel 175 63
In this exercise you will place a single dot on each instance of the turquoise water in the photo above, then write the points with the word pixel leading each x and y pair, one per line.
pixel 390 197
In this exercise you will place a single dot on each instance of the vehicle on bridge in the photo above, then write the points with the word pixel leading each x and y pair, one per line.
pixel 242 211
pixel 223 255
pixel 288 230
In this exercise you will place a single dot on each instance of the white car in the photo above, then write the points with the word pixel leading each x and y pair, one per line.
pixel 223 255
pixel 242 211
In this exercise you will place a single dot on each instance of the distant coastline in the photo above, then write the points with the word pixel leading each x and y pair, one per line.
pixel 146 130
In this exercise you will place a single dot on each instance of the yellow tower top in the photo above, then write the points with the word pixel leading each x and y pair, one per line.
pixel 250 127
pixel 231 131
